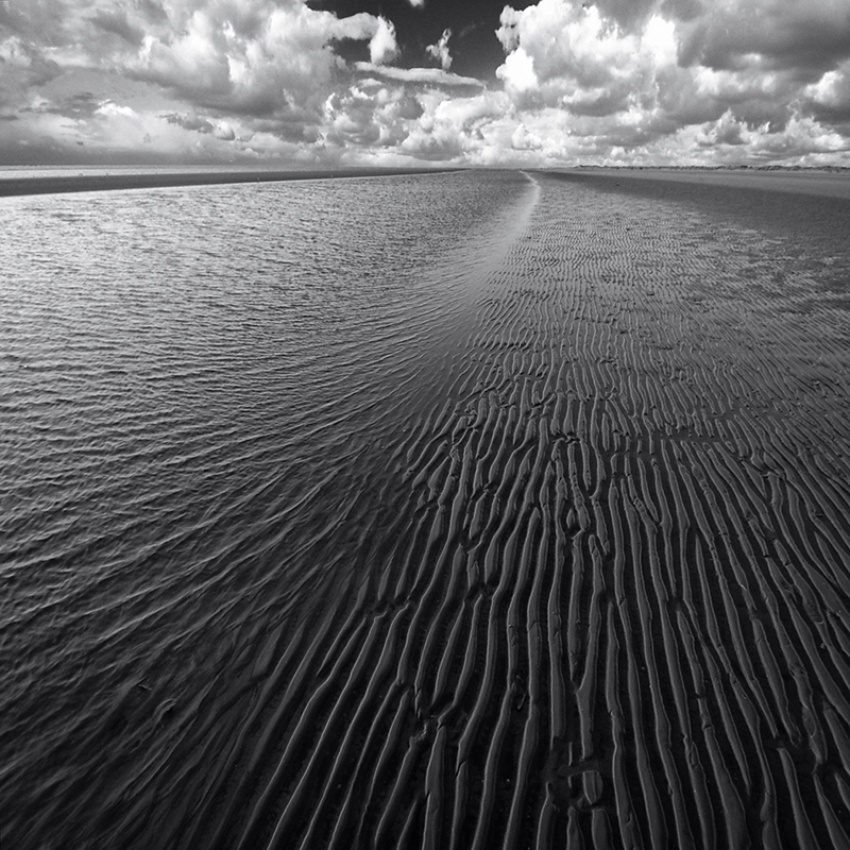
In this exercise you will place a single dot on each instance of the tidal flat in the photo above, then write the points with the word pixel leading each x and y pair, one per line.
pixel 462 510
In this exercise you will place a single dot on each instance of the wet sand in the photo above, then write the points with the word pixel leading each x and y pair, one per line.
pixel 47 184
pixel 603 599
pixel 825 184
pixel 617 607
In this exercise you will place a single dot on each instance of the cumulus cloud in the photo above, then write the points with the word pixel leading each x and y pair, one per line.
pixel 370 114
pixel 591 65
pixel 440 50
pixel 674 76
pixel 383 47
pixel 829 97
pixel 258 64
pixel 269 63
pixel 608 81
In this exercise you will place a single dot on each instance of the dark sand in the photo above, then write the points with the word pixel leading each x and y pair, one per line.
pixel 809 182
pixel 618 610
pixel 824 184
pixel 44 185
pixel 607 601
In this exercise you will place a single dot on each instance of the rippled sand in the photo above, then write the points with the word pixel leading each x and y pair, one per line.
pixel 15 182
pixel 586 584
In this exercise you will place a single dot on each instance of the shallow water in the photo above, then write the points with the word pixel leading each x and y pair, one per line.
pixel 460 510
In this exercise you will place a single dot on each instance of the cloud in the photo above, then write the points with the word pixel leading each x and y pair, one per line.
pixel 518 73
pixel 194 123
pixel 254 56
pixel 110 132
pixel 383 47
pixel 808 37
pixel 628 15
pixel 265 65
pixel 440 50
pixel 116 23
pixel 23 72
pixel 258 64
pixel 14 54
pixel 370 114
pixel 590 67
pixel 610 81
pixel 473 129
pixel 829 97
pixel 631 80
pixel 424 76
pixel 727 130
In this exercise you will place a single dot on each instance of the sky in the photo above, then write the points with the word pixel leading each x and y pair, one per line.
pixel 334 83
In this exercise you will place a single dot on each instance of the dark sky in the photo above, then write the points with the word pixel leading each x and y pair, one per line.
pixel 475 50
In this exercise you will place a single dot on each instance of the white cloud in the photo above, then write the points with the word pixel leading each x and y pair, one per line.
pixel 383 47
pixel 610 81
pixel 251 55
pixel 574 52
pixel 279 62
pixel 440 50
pixel 370 114
pixel 258 69
pixel 110 109
pixel 803 136
pixel 615 81
pixel 569 57
pixel 424 76
pixel 827 91
pixel 14 54
pixel 518 73
pixel 522 139
pixel 830 95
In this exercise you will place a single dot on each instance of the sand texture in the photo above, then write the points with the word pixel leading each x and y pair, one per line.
pixel 594 590
pixel 825 183
pixel 619 614
pixel 46 184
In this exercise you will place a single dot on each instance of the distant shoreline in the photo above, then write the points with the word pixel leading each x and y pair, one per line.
pixel 832 183
pixel 822 182
pixel 49 185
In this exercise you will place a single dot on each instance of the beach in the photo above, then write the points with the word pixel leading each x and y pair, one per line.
pixel 506 509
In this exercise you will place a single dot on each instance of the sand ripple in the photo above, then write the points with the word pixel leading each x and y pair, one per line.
pixel 590 589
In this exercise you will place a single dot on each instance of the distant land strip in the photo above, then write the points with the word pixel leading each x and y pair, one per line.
pixel 833 183
pixel 45 185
